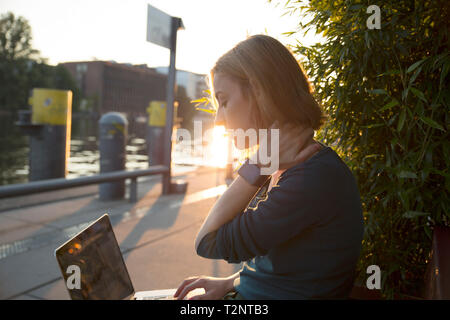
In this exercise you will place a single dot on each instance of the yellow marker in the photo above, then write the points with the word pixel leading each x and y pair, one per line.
pixel 119 127
pixel 157 113
pixel 51 106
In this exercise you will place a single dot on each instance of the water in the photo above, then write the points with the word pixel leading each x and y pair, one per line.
pixel 13 152
pixel 84 155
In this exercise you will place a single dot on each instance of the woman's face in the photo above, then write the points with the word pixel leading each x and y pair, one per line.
pixel 234 109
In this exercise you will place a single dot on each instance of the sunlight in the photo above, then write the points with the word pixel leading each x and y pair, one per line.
pixel 219 147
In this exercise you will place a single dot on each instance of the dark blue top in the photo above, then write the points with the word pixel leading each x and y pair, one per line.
pixel 302 239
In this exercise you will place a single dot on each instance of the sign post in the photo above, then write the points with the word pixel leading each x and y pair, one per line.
pixel 162 30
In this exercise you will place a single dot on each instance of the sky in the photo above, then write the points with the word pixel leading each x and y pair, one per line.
pixel 84 30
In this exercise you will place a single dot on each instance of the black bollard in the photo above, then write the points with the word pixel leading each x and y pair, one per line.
pixel 49 125
pixel 155 145
pixel 113 128
pixel 155 132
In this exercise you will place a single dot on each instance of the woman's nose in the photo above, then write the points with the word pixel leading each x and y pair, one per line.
pixel 220 118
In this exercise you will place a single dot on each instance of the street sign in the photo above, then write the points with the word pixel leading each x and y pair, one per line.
pixel 162 30
pixel 158 27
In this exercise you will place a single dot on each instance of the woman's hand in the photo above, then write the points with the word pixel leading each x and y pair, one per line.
pixel 295 145
pixel 215 288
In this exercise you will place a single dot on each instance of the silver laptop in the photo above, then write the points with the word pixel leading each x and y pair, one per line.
pixel 95 254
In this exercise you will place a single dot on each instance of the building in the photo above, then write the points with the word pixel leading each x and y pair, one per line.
pixel 109 86
pixel 118 87
pixel 194 83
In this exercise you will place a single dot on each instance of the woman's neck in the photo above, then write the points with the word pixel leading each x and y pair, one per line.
pixel 312 141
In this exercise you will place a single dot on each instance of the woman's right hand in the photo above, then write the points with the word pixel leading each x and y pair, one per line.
pixel 215 288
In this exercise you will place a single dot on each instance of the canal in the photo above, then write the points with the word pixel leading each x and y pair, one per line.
pixel 84 155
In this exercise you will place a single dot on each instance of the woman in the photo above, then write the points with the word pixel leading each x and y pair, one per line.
pixel 298 230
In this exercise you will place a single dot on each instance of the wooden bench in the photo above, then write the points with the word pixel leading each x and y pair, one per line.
pixel 437 276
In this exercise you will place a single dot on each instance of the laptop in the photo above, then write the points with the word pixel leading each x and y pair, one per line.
pixel 93 255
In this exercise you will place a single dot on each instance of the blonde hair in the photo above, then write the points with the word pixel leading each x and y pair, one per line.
pixel 264 64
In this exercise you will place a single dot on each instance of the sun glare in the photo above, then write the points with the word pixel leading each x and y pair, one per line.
pixel 219 147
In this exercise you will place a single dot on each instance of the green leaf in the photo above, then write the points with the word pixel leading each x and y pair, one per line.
pixel 444 73
pixel 377 91
pixel 414 77
pixel 356 7
pixel 432 123
pixel 388 158
pixel 201 100
pixel 375 125
pixel 415 65
pixel 366 38
pixel 288 33
pixel 407 174
pixel 389 105
pixel 428 232
pixel 405 93
pixel 389 72
pixel 392 119
pixel 413 214
pixel 401 120
pixel 206 110
pixel 419 94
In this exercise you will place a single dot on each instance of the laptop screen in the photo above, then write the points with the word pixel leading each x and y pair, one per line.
pixel 103 274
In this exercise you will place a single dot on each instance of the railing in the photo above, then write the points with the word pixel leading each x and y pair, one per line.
pixel 63 183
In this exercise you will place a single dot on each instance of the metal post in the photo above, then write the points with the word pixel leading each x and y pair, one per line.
pixel 48 153
pixel 133 190
pixel 176 22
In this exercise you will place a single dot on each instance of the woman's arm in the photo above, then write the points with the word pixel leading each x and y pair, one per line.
pixel 240 192
pixel 289 209
pixel 234 200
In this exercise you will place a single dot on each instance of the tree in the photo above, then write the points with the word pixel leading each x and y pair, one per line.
pixel 15 55
pixel 41 75
pixel 387 95
pixel 15 38
pixel 22 68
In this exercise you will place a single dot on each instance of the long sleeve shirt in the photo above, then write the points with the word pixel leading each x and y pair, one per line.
pixel 300 240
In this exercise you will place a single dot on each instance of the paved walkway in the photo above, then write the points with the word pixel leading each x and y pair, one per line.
pixel 156 234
